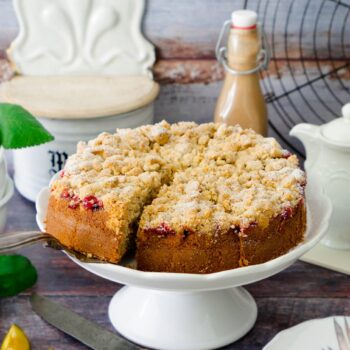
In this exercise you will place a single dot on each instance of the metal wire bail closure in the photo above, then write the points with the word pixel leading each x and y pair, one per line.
pixel 220 52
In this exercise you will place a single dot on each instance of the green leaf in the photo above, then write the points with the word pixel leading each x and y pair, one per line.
pixel 16 274
pixel 18 128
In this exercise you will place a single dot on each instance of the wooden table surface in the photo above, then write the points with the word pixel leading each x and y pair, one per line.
pixel 297 294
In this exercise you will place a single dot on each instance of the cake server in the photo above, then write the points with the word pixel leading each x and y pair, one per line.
pixel 15 240
pixel 77 326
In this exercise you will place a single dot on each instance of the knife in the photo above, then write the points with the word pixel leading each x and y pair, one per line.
pixel 78 327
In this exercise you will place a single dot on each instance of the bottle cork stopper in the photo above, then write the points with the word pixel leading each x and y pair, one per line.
pixel 244 19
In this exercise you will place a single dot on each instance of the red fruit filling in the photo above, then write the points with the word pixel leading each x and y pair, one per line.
pixel 246 227
pixel 286 154
pixel 92 203
pixel 74 200
pixel 62 173
pixel 162 230
pixel 287 213
pixel 66 194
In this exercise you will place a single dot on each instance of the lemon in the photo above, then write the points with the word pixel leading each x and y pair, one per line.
pixel 15 339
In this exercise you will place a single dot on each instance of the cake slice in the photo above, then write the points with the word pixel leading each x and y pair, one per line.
pixel 183 230
pixel 242 205
pixel 95 204
pixel 100 224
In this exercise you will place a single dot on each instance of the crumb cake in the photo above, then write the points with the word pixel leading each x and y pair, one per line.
pixel 191 198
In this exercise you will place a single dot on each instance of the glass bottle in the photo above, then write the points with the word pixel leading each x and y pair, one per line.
pixel 241 100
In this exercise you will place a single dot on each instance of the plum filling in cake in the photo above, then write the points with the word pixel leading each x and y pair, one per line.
pixel 286 154
pixel 287 213
pixel 92 203
pixel 195 198
pixel 66 194
pixel 88 202
pixel 73 199
pixel 162 230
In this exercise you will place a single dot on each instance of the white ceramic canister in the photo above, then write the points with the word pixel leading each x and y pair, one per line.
pixel 3 172
pixel 74 109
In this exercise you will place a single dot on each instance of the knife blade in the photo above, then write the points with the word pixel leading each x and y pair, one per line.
pixel 77 326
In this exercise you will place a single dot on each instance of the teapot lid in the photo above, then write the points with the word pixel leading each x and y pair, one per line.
pixel 338 130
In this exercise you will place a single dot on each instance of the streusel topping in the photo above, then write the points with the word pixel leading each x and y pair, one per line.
pixel 206 178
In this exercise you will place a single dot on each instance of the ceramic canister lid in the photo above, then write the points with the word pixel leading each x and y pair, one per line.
pixel 244 19
pixel 79 97
pixel 338 130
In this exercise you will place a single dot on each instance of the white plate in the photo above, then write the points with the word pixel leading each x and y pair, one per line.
pixel 192 311
pixel 315 334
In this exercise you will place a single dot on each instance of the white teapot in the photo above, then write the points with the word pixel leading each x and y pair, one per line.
pixel 328 159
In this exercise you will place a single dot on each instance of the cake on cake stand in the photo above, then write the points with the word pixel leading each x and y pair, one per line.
pixel 174 311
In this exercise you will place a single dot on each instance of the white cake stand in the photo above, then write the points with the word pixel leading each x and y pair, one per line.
pixel 174 311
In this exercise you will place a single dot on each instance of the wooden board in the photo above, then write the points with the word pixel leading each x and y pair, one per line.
pixel 189 29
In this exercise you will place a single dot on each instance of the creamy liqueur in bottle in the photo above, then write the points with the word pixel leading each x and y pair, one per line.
pixel 241 100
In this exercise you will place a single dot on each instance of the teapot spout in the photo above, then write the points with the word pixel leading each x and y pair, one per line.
pixel 308 134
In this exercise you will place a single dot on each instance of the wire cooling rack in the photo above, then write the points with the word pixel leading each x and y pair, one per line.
pixel 308 77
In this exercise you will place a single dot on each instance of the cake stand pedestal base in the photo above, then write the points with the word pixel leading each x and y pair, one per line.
pixel 173 320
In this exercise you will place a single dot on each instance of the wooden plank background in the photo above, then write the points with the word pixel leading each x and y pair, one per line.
pixel 309 40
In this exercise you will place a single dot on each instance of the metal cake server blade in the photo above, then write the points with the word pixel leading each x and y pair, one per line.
pixel 15 240
pixel 77 326
pixel 55 244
